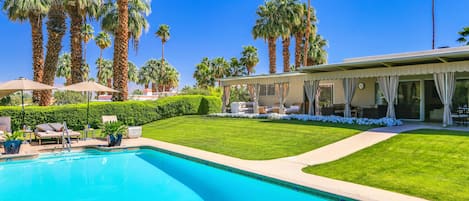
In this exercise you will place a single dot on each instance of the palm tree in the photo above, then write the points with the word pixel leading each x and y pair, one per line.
pixel 170 80
pixel 105 72
pixel 127 16
pixel 32 11
pixel 56 29
pixel 79 10
pixel 87 34
pixel 103 41
pixel 433 24
pixel 133 72
pixel 463 36
pixel 299 32
pixel 203 74
pixel 307 33
pixel 291 13
pixel 85 69
pixel 316 53
pixel 144 76
pixel 220 68
pixel 249 58
pixel 267 28
pixel 237 68
pixel 151 69
pixel 64 67
pixel 164 35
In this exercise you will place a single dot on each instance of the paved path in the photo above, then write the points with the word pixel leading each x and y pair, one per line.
pixel 290 168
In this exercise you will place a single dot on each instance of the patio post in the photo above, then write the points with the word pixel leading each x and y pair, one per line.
pixel 311 88
pixel 254 94
pixel 388 85
pixel 445 86
pixel 225 97
pixel 350 85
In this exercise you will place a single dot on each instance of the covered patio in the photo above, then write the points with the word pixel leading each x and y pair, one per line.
pixel 423 86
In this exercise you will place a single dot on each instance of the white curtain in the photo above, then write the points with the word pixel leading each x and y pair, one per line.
pixel 445 86
pixel 311 88
pixel 282 90
pixel 254 94
pixel 226 97
pixel 350 84
pixel 388 86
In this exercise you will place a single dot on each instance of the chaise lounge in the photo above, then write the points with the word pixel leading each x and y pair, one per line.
pixel 53 131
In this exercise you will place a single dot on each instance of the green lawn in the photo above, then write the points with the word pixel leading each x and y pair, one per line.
pixel 252 139
pixel 432 164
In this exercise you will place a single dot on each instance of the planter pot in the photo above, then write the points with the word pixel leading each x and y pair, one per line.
pixel 113 141
pixel 12 147
pixel 135 132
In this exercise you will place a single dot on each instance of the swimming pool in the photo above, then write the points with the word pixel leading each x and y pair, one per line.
pixel 138 175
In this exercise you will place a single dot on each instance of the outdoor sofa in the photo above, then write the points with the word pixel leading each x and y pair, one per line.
pixel 53 131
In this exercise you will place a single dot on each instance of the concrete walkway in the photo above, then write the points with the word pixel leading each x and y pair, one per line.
pixel 290 168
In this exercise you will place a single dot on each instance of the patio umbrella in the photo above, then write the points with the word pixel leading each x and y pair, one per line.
pixel 21 84
pixel 88 86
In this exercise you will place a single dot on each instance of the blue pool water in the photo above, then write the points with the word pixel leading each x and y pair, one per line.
pixel 133 175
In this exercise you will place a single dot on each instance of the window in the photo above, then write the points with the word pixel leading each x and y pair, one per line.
pixel 325 96
pixel 267 90
pixel 461 94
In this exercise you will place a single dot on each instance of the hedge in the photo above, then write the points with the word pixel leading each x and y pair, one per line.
pixel 132 113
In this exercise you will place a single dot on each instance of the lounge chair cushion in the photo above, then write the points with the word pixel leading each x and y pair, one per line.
pixel 44 127
pixel 57 126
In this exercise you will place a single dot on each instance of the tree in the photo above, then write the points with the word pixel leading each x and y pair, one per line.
pixel 103 41
pixel 463 34
pixel 307 33
pixel 56 29
pixel 249 58
pixel 104 72
pixel 220 68
pixel 203 74
pixel 300 30
pixel 291 13
pixel 87 34
pixel 64 67
pixel 316 52
pixel 34 12
pixel 164 35
pixel 151 70
pixel 133 72
pixel 168 80
pixel 125 20
pixel 267 28
pixel 237 68
pixel 144 76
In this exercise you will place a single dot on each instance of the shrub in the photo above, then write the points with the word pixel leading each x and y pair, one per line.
pixel 68 97
pixel 131 113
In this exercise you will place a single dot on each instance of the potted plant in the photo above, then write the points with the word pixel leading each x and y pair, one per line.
pixel 114 132
pixel 13 142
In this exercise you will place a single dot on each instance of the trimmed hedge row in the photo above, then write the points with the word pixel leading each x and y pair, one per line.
pixel 132 113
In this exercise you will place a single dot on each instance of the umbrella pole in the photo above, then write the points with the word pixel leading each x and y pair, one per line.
pixel 22 111
pixel 87 113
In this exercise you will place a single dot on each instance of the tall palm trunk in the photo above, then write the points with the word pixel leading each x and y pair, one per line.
pixel 433 24
pixel 122 45
pixel 154 87
pixel 298 43
pixel 286 54
pixel 162 52
pixel 76 45
pixel 38 51
pixel 307 34
pixel 100 68
pixel 56 28
pixel 272 55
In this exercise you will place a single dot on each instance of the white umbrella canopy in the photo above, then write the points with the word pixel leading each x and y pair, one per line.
pixel 21 84
pixel 88 86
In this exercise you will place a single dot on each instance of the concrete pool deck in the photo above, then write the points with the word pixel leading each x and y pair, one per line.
pixel 288 169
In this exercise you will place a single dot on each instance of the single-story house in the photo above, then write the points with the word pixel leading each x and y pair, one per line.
pixel 423 86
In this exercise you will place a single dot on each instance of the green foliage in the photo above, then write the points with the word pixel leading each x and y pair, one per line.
pixel 17 135
pixel 15 99
pixel 131 113
pixel 114 128
pixel 68 97
pixel 137 92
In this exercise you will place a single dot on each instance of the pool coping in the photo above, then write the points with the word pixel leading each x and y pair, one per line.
pixel 282 170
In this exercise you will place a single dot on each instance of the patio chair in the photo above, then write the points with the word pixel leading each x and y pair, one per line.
pixel 109 118
pixel 53 131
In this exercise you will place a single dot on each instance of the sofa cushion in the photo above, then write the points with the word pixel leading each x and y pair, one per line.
pixel 44 127
pixel 56 126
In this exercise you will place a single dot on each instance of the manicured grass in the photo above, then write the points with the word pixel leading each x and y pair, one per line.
pixel 432 164
pixel 248 138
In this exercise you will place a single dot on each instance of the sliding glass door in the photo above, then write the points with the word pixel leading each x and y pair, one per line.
pixel 408 100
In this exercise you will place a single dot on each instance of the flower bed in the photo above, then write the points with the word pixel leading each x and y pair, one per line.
pixel 303 117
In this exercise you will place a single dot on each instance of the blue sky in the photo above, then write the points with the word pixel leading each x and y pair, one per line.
pixel 214 28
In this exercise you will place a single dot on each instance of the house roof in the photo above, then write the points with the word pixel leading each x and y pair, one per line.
pixel 444 55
